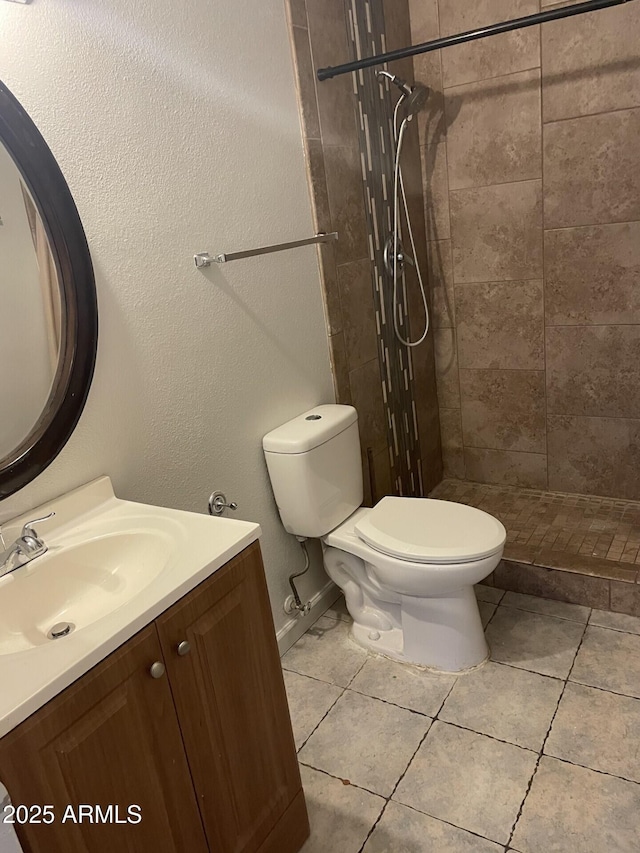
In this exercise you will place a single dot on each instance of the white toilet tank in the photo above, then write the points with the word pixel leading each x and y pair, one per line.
pixel 315 469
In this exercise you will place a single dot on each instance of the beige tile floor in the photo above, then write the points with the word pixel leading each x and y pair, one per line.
pixel 536 752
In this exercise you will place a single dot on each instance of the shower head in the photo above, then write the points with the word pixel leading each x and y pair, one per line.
pixel 416 96
pixel 416 100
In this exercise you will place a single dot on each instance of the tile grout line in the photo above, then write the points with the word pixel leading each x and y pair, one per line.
pixel 360 668
pixel 533 775
pixel 484 734
pixel 484 601
pixel 415 752
pixel 448 823
pixel 313 677
pixel 549 615
pixel 449 220
pixel 496 183
pixel 484 627
pixel 442 704
pixel 605 689
pixel 592 115
pixel 340 779
pixel 389 702
pixel 593 225
pixel 546 737
pixel 404 773
pixel 376 822
pixel 618 630
pixel 544 270
pixel 537 180
pixel 592 769
pixel 591 326
pixel 494 77
pixel 315 728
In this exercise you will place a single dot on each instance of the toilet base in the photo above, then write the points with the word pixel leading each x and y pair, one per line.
pixel 441 633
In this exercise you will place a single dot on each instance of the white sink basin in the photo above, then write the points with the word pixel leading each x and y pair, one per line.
pixel 78 584
pixel 112 567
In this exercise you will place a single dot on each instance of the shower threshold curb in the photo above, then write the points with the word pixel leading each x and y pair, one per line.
pixel 582 549
pixel 590 581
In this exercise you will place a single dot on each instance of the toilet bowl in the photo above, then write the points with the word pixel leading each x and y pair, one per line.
pixel 407 566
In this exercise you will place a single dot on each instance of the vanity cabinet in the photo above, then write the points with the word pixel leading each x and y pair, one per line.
pixel 233 712
pixel 110 738
pixel 188 720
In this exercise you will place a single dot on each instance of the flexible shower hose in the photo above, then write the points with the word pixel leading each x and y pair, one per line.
pixel 398 189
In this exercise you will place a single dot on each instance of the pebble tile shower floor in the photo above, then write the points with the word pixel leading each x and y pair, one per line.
pixel 536 752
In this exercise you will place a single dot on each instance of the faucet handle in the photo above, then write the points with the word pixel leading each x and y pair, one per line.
pixel 28 530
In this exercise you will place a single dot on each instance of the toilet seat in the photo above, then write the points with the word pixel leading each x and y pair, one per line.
pixel 424 530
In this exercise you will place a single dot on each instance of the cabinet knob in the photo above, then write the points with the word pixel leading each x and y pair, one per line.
pixel 157 669
pixel 184 648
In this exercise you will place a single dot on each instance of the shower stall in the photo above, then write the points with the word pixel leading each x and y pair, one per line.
pixel 521 173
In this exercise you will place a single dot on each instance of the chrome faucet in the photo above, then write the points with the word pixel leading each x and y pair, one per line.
pixel 26 548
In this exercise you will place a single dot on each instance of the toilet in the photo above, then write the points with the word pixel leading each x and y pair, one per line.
pixel 407 567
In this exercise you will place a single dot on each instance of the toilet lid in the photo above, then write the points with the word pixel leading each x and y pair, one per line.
pixel 423 530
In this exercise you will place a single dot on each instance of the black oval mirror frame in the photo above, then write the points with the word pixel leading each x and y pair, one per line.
pixel 48 187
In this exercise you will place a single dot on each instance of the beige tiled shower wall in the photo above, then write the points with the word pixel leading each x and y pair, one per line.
pixel 328 117
pixel 531 165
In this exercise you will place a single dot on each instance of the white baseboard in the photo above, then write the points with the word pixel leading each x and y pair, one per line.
pixel 298 625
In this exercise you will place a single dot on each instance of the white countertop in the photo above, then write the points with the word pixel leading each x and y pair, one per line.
pixel 200 545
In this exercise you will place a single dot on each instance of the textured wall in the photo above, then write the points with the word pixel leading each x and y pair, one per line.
pixel 176 126
pixel 533 179
pixel 328 114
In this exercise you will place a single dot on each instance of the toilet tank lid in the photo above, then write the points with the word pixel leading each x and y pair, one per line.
pixel 310 429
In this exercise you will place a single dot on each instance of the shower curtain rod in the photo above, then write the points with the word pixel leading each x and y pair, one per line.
pixel 471 35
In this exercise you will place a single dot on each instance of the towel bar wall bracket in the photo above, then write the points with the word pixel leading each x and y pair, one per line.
pixel 204 259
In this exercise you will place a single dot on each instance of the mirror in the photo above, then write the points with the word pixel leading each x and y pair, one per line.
pixel 30 333
pixel 48 312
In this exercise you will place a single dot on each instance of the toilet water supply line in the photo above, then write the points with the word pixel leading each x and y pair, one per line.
pixel 398 183
pixel 296 604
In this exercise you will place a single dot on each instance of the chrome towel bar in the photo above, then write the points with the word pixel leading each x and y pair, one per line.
pixel 204 259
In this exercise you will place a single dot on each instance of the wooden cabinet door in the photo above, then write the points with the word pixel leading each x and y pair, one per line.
pixel 233 712
pixel 112 738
